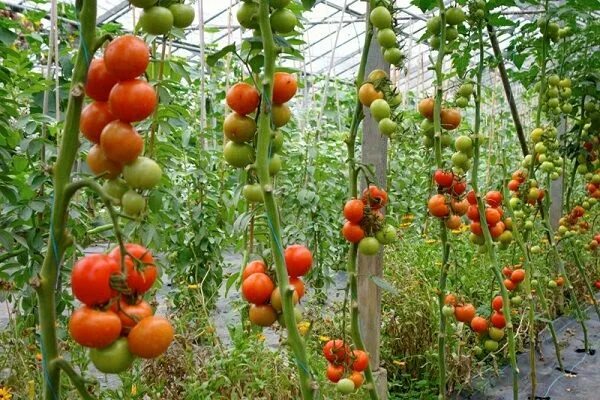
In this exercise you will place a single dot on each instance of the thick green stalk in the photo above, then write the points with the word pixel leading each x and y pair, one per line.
pixel 437 126
pixel 45 283
pixel 490 249
pixel 307 385
pixel 353 192
pixel 588 284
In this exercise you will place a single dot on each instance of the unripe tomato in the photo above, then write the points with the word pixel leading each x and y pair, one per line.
pixel 453 222
pixel 367 94
pixel 380 17
pixel 238 155
pixel 284 87
pixel 387 234
pixel 94 118
pixel 358 378
pixel 262 315
pixel 283 20
pixel 369 246
pixel 490 345
pixel 143 3
pixel 275 164
pixel 113 359
pixel 253 193
pixel 277 302
pixel 115 188
pixel 495 333
pixel 345 386
pixel 183 15
pixel 157 20
pixel 99 80
pixel 387 127
pixel 455 15
pixel 464 144
pixel 448 310
pixel 247 15
pixel 450 118
pixel 127 57
pixel 298 260
pixel 121 143
pixel 143 173
pixel 133 100
pixel 380 109
pixel 386 38
pixel 279 3
pixel 94 328
pixel 460 207
pixel 100 164
pixel 151 337
pixel 281 114
pixel 132 203
pixel 393 55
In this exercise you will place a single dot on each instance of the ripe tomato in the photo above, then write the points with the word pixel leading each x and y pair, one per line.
pixel 513 185
pixel 578 211
pixel 127 57
pixel 284 87
pixel 354 210
pixel 492 216
pixel 298 260
pixel 443 178
pixel 518 276
pixel 253 267
pixel 257 288
pixel 507 271
pixel 453 222
pixel 100 164
pixel 471 198
pixel 334 372
pixel 450 118
pixel 464 313
pixel 276 300
pixel 239 128
pixel 426 108
pixel 458 187
pixel 359 359
pixel 497 303
pixel 473 213
pixel 94 328
pixel 281 114
pixel 358 378
pixel 353 232
pixel 519 176
pixel 476 228
pixel 375 197
pixel 131 314
pixel 493 198
pixel 459 207
pixel 509 285
pixel 263 315
pixel 559 281
pixel 114 358
pixel 298 285
pixel 94 118
pixel 450 299
pixel 132 100
pixel 150 337
pixel 437 206
pixel 479 324
pixel 90 279
pixel 597 284
pixel 497 230
pixel 367 94
pixel 497 319
pixel 336 351
pixel 99 80
pixel 140 268
pixel 121 143
pixel 242 98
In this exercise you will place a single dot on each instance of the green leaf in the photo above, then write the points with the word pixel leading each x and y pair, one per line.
pixel 308 4
pixel 6 36
pixel 212 59
pixel 385 285
pixel 424 5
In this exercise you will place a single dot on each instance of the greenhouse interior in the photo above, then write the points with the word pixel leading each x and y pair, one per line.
pixel 299 199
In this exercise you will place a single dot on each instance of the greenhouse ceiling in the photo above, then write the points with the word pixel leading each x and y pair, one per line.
pixel 333 31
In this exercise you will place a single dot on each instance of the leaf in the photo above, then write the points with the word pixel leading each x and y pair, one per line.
pixel 424 5
pixel 212 59
pixel 6 36
pixel 308 4
pixel 385 285
pixel 230 281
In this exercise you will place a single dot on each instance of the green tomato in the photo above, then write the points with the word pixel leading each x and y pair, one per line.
pixel 535 249
pixel 396 100
pixel 475 239
pixel 490 345
pixel 465 90
pixel 552 284
pixel 464 144
pixel 143 173
pixel 279 3
pixel 448 310
pixel 428 142
pixel 275 164
pixel 297 316
pixel 435 42
pixel 238 155
pixel 283 20
pixel 460 160
pixel 133 203
pixel 345 386
pixel 380 109
pixel 369 246
pixel 386 38
pixel 553 80
pixel 380 17
pixel 552 92
pixel 393 56
pixel 143 3
pixel 277 142
pixel 553 103
pixel 253 193
pixel 515 203
pixel 183 15
pixel 451 34
pixel 462 102
pixel 433 25
pixel 157 20
pixel 506 237
pixel 427 128
pixel 567 108
pixel 247 15
pixel 387 127
pixel 516 301
pixel 387 234
pixel 446 139
pixel 566 93
pixel 455 15
pixel 114 358
pixel 565 83
pixel 115 188
pixel 477 350
pixel 495 333
pixel 547 167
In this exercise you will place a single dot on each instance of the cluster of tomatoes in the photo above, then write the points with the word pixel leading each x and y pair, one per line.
pixel 477 10
pixel 572 223
pixel 513 277
pixel 114 320
pixel 594 242
pixel 160 16
pixel 450 120
pixel 525 196
pixel 463 95
pixel 557 95
pixel 449 203
pixel 546 152
pixel 342 361
pixel 265 298
pixel 240 126
pixel 559 281
pixel 552 29
pixel 365 222
pixel 283 20
pixel 120 98
pixel 593 186
pixel 378 94
pixel 455 16
pixel 381 18
pixel 500 228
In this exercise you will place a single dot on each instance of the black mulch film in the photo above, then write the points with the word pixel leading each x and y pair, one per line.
pixel 581 380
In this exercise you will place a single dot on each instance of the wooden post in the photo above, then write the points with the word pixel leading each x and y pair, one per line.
pixel 374 153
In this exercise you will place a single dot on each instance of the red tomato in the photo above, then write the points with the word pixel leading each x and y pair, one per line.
pixel 443 178
pixel 513 185
pixel 518 276
pixel 510 285
pixel 90 279
pixel 100 164
pixel 127 57
pixel 336 351
pixel 257 288
pixel 131 314
pixel 94 328
pixel 473 213
pixel 242 98
pixel 437 206
pixel 471 198
pixel 492 216
pixel 140 268
pixel 497 303
pixel 284 87
pixel 298 260
pixel 375 197
pixel 253 267
pixel 497 319
pixel 359 359
pixel 132 100
pixel 94 118
pixel 121 143
pixel 335 372
pixel 358 378
pixel 507 271
pixel 493 198
pixel 497 229
pixel 459 187
pixel 479 324
pixel 99 80
pixel 354 210
pixel 298 285
pixel 476 228
pixel 353 232
pixel 464 313
pixel 151 337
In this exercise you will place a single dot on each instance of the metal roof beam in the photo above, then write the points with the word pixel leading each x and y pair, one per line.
pixel 114 13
